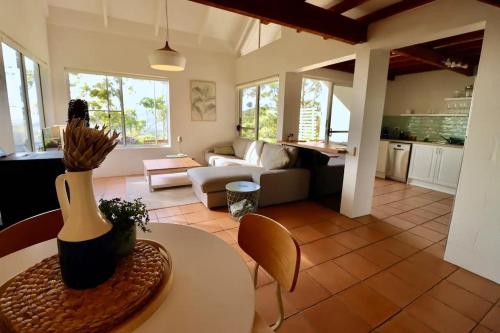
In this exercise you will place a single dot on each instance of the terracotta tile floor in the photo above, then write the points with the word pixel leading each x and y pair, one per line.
pixel 380 273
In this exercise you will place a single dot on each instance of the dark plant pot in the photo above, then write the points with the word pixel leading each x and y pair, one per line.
pixel 124 241
pixel 88 263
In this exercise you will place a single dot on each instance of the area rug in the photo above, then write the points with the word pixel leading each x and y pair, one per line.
pixel 137 187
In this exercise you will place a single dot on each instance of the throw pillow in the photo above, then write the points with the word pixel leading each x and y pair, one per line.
pixel 274 158
pixel 226 150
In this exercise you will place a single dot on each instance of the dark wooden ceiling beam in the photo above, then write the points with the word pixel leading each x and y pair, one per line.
pixel 298 15
pixel 433 58
pixel 463 49
pixel 393 9
pixel 492 2
pixel 475 36
pixel 345 5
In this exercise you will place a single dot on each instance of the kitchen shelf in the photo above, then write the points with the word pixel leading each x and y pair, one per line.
pixel 434 115
pixel 458 99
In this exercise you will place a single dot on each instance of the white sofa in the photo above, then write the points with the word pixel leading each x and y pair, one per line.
pixel 275 167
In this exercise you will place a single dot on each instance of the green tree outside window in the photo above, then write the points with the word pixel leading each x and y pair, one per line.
pixel 138 108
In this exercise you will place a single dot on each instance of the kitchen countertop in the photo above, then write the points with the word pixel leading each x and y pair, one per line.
pixel 326 147
pixel 424 143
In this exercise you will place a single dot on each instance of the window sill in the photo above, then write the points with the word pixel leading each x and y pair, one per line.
pixel 132 147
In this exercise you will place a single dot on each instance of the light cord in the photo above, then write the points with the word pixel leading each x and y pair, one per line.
pixel 258 46
pixel 166 18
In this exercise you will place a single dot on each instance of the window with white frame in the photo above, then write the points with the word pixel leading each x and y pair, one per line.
pixel 259 111
pixel 136 107
pixel 315 102
pixel 24 93
pixel 324 111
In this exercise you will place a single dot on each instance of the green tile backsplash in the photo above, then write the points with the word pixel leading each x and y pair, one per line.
pixel 430 127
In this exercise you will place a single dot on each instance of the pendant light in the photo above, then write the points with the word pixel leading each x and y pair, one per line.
pixel 166 58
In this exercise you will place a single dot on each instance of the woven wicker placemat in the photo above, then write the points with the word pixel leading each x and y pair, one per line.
pixel 37 300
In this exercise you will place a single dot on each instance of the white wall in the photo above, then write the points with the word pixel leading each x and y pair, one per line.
pixel 102 51
pixel 293 52
pixel 423 92
pixel 337 77
pixel 22 24
pixel 474 238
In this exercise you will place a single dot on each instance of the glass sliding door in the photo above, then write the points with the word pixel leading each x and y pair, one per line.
pixel 34 92
pixel 24 92
pixel 16 94
pixel 268 111
pixel 259 111
pixel 314 109
pixel 341 114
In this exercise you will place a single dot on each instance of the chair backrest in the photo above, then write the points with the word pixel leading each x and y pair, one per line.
pixel 31 231
pixel 272 246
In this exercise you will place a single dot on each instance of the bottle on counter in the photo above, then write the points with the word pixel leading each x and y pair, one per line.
pixel 468 90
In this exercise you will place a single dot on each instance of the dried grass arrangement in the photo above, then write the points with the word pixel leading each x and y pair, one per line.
pixel 86 148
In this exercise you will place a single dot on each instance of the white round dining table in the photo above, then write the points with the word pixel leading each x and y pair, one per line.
pixel 212 288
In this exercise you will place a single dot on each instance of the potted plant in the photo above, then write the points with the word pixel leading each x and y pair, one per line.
pixel 125 216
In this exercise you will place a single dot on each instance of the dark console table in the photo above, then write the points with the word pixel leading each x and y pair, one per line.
pixel 27 185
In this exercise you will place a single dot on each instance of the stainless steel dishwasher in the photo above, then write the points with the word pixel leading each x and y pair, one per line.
pixel 399 157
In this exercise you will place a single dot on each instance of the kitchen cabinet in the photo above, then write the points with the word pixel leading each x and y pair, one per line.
pixel 450 163
pixel 423 162
pixel 435 167
pixel 382 159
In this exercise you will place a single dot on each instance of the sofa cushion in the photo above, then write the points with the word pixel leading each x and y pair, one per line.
pixel 212 157
pixel 231 161
pixel 224 150
pixel 274 157
pixel 214 179
pixel 225 160
pixel 240 146
pixel 254 152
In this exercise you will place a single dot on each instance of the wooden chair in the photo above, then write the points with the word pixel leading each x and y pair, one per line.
pixel 273 248
pixel 31 231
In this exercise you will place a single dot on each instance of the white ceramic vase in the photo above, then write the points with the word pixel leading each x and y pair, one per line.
pixel 85 244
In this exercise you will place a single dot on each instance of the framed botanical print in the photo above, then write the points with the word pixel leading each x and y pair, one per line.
pixel 203 100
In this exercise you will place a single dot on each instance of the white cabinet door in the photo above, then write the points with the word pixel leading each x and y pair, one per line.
pixel 449 165
pixel 423 161
pixel 382 158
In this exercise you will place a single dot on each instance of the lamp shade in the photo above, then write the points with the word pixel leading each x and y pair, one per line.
pixel 167 59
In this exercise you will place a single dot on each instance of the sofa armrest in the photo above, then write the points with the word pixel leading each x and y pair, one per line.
pixel 282 185
pixel 207 153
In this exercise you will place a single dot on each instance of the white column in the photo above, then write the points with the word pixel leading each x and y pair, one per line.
pixel 370 81
pixel 289 104
pixel 474 238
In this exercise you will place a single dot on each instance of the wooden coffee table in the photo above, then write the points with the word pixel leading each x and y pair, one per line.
pixel 175 168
